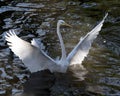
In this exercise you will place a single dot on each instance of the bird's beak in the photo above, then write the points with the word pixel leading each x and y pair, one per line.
pixel 68 25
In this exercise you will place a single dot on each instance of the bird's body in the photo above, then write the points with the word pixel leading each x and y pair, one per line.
pixel 36 59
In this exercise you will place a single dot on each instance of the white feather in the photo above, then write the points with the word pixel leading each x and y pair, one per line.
pixel 36 59
pixel 34 43
pixel 33 57
pixel 81 50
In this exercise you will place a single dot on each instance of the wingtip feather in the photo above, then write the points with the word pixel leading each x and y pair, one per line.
pixel 105 16
pixel 12 32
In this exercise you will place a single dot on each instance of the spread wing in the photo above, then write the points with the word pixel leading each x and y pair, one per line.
pixel 31 55
pixel 81 50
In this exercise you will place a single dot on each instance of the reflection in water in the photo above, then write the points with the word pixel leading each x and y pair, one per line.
pixel 39 84
pixel 102 63
pixel 79 71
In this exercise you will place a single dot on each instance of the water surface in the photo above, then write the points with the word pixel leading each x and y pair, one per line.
pixel 38 18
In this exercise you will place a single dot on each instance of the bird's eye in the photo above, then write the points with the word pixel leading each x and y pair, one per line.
pixel 63 23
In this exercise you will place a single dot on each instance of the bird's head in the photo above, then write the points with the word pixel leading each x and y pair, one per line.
pixel 62 22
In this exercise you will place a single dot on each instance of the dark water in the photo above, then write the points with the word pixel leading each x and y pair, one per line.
pixel 38 18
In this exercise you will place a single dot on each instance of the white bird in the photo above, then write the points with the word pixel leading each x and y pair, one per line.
pixel 36 59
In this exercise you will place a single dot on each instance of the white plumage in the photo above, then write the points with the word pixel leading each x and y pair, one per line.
pixel 36 59
pixel 82 48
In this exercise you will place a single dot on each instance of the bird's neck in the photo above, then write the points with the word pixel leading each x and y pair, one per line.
pixel 61 43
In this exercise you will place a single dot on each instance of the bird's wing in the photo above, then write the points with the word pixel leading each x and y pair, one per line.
pixel 37 44
pixel 30 54
pixel 34 42
pixel 81 50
